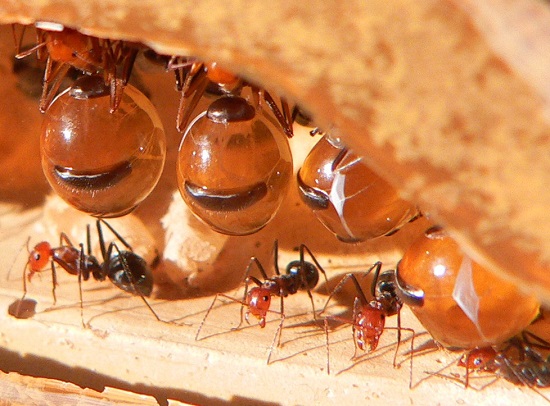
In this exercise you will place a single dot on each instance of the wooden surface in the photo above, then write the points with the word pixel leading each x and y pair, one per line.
pixel 126 356
pixel 125 348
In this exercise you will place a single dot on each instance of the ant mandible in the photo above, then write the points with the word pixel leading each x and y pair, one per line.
pixel 194 77
pixel 125 269
pixel 68 48
pixel 369 316
pixel 300 275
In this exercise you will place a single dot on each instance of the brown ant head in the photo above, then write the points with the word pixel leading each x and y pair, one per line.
pixel 369 326
pixel 219 75
pixel 258 301
pixel 39 257
pixel 63 45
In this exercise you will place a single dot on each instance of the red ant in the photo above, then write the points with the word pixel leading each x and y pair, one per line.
pixel 299 275
pixel 369 316
pixel 194 77
pixel 125 269
pixel 68 48
pixel 516 360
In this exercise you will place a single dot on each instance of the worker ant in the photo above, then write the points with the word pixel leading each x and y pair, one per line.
pixel 300 275
pixel 516 360
pixel 234 162
pixel 64 48
pixel 435 277
pixel 124 268
pixel 369 316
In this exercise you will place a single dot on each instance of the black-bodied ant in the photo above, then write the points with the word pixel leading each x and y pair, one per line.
pixel 124 268
pixel 369 316
pixel 300 275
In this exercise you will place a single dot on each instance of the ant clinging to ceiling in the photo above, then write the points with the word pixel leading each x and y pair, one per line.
pixel 194 78
pixel 64 48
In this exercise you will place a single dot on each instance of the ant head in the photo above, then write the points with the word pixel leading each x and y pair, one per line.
pixel 386 293
pixel 258 300
pixel 479 359
pixel 39 256
pixel 62 45
pixel 369 326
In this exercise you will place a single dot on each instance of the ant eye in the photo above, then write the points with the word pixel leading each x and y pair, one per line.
pixel 100 162
pixel 347 197
pixel 265 298
pixel 234 166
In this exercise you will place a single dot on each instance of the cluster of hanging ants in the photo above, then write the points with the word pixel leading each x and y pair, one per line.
pixel 518 359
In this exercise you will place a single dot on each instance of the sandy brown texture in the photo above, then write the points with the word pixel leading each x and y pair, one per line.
pixel 448 100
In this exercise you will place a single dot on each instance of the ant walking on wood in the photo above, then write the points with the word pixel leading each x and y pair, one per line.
pixel 299 275
pixel 124 268
pixel 369 316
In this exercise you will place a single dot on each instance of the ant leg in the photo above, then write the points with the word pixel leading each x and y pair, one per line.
pixel 283 121
pixel 25 280
pixel 24 54
pixel 129 58
pixel 275 257
pixel 377 266
pixel 339 287
pixel 303 248
pixel 88 240
pixel 79 272
pixel 54 283
pixel 398 339
pixel 117 235
pixel 116 90
pixel 205 316
pixel 286 112
pixel 277 333
pixel 54 77
pixel 327 345
pixel 64 240
pixel 195 82
pixel 102 241
pixel 280 330
pixel 210 309
pixel 130 278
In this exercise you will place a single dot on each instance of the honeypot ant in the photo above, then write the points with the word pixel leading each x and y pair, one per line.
pixel 347 197
pixel 299 275
pixel 67 48
pixel 125 269
pixel 193 78
pixel 369 316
